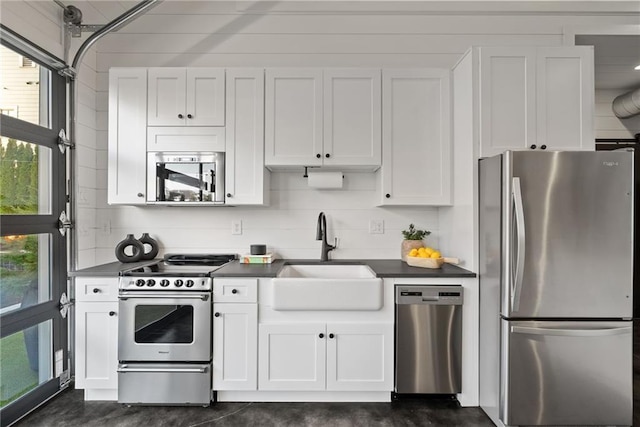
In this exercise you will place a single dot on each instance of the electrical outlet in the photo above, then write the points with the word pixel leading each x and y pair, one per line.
pixel 376 226
pixel 236 226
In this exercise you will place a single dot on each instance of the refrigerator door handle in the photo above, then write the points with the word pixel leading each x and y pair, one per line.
pixel 519 223
pixel 572 332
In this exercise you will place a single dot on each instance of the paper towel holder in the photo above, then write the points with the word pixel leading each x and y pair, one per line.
pixel 306 172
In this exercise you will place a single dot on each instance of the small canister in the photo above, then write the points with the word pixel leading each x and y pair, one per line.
pixel 258 249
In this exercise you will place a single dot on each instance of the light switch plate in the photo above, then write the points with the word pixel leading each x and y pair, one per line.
pixel 236 226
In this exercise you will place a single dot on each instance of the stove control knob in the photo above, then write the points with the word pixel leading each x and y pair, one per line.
pixel 178 283
pixel 164 283
pixel 189 283
pixel 139 282
pixel 151 282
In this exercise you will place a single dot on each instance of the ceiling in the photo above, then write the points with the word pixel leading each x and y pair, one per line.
pixel 615 59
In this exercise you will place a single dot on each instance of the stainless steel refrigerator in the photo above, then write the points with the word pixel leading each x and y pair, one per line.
pixel 556 267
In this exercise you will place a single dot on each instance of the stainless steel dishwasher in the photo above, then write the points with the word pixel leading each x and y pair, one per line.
pixel 428 339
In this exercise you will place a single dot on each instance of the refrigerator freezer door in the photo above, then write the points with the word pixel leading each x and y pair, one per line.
pixel 567 373
pixel 567 226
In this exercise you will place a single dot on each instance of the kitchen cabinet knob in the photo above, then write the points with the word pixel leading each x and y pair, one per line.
pixel 318 155
pixel 229 195
pixel 331 336
pixel 96 290
pixel 234 291
pixel 140 195
pixel 321 335
pixel 217 314
pixel 327 155
pixel 532 146
pixel 388 196
pixel 180 116
pixel 112 313
pixel 543 147
pixel 189 116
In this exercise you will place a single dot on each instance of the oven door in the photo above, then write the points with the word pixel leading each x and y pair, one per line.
pixel 164 326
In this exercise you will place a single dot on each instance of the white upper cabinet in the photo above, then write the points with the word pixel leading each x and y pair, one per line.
pixel 316 117
pixel 416 140
pixel 535 98
pixel 127 136
pixel 186 97
pixel 352 114
pixel 293 117
pixel 247 180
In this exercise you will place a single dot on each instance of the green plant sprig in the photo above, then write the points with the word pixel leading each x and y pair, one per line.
pixel 414 234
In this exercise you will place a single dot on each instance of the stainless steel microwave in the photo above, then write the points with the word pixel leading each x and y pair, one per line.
pixel 185 178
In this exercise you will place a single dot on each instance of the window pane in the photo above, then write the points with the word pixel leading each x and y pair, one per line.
pixel 25 361
pixel 25 178
pixel 25 88
pixel 24 271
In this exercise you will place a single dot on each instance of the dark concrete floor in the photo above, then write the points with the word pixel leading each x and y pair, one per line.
pixel 69 409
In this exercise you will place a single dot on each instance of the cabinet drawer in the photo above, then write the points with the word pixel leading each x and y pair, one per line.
pixel 96 289
pixel 235 290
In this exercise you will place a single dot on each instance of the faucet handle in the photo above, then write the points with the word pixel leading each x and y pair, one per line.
pixel 335 243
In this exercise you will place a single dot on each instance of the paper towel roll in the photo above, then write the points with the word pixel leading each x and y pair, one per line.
pixel 325 180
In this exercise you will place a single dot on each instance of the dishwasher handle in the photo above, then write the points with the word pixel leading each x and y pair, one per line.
pixel 429 295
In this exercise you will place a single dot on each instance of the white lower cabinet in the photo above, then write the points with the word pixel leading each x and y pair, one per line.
pixel 319 356
pixel 96 337
pixel 235 346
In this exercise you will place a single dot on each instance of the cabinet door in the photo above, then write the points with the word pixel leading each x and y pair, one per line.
pixel 293 117
pixel 97 345
pixel 127 136
pixel 205 97
pixel 292 356
pixel 167 97
pixel 507 99
pixel 352 117
pixel 247 180
pixel 235 346
pixel 416 141
pixel 565 98
pixel 360 357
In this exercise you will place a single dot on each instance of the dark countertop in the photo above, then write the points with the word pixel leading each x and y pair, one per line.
pixel 382 268
pixel 112 269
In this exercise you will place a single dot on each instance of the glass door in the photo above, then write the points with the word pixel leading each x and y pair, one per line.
pixel 33 341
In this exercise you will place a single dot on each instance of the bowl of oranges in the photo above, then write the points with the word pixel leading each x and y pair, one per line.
pixel 427 257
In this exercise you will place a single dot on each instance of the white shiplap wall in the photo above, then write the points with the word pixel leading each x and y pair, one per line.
pixel 235 35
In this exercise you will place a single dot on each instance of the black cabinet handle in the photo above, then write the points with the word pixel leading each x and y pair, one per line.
pixel 140 195
pixel 189 116
pixel 96 290
pixel 217 314
pixel 229 195
pixel 318 155
pixel 331 336
pixel 388 196
pixel 234 291
pixel 180 116
pixel 543 147
pixel 327 155
pixel 321 335
pixel 112 313
pixel 532 146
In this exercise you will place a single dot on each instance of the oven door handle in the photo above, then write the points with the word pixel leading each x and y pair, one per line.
pixel 145 295
pixel 125 369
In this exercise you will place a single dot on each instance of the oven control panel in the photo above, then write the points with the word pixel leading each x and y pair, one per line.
pixel 163 283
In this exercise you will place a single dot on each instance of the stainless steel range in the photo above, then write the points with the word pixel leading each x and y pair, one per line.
pixel 165 332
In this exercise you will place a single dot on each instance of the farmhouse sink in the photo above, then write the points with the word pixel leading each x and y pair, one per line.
pixel 327 287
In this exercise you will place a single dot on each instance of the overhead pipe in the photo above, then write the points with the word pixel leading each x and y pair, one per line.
pixel 627 105
pixel 114 25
